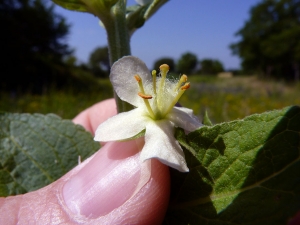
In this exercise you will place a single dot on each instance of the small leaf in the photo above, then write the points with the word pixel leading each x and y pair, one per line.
pixel 76 5
pixel 153 7
pixel 135 17
pixel 138 14
pixel 241 172
pixel 206 121
pixel 100 8
pixel 37 149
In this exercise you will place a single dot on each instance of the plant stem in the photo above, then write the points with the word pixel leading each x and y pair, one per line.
pixel 118 42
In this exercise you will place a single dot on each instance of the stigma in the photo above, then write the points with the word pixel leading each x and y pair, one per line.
pixel 161 94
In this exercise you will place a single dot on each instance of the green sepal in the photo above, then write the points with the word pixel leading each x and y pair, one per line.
pixel 141 134
pixel 206 121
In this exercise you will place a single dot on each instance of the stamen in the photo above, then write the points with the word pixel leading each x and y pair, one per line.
pixel 154 81
pixel 180 93
pixel 138 78
pixel 186 86
pixel 140 82
pixel 144 96
pixel 182 80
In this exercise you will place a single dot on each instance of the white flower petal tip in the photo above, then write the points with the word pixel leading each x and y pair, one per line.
pixel 155 97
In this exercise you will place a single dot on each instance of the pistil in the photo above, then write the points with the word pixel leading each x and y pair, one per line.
pixel 164 68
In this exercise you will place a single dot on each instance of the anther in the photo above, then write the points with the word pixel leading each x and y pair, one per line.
pixel 186 86
pixel 182 80
pixel 164 68
pixel 144 96
pixel 137 77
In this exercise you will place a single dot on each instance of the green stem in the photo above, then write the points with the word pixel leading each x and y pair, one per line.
pixel 118 42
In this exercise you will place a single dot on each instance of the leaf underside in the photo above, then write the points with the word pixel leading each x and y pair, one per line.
pixel 37 149
pixel 241 172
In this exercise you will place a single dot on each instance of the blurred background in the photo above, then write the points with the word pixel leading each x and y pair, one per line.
pixel 242 57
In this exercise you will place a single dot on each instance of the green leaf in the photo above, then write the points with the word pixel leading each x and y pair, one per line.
pixel 241 172
pixel 38 149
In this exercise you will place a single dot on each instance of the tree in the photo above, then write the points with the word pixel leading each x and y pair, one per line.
pixel 99 62
pixel 33 45
pixel 211 66
pixel 187 63
pixel 168 61
pixel 270 42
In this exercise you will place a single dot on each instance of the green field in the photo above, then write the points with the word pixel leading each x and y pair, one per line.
pixel 225 99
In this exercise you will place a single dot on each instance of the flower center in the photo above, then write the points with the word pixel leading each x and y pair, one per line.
pixel 163 94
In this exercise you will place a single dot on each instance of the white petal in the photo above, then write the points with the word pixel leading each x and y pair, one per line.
pixel 184 118
pixel 122 126
pixel 161 144
pixel 122 78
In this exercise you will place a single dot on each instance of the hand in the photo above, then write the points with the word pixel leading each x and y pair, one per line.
pixel 105 189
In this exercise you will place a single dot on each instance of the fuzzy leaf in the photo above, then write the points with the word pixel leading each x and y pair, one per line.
pixel 37 149
pixel 241 172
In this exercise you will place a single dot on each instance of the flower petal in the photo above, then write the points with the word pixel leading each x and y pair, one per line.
pixel 161 144
pixel 184 118
pixel 122 78
pixel 122 126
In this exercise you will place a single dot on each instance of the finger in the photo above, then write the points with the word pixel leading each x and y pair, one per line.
pixel 99 191
pixel 96 114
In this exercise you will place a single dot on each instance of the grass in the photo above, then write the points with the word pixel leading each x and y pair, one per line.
pixel 225 99
pixel 65 103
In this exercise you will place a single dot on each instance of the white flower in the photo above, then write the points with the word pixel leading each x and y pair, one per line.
pixel 155 112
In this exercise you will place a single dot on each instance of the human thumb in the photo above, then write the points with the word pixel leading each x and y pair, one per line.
pixel 111 187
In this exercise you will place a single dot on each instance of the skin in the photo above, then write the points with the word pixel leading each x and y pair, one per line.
pixel 111 187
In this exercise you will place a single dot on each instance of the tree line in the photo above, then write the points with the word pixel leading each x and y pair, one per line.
pixel 34 51
pixel 188 63
pixel 270 40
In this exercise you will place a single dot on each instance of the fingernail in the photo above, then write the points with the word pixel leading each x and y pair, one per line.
pixel 106 182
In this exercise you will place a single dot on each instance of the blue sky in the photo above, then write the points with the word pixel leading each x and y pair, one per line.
pixel 203 27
